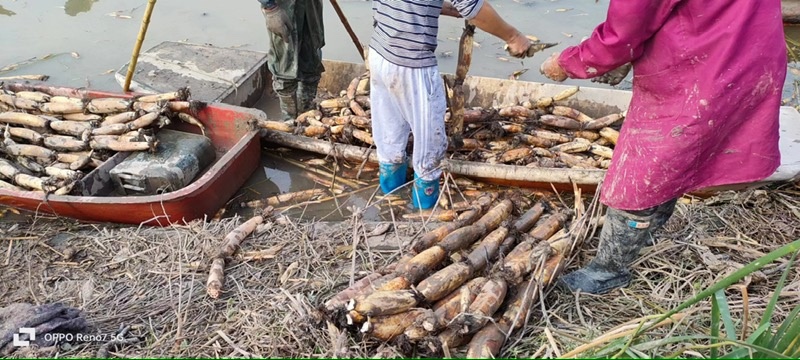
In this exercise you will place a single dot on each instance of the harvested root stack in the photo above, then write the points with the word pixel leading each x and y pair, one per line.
pixel 537 132
pixel 53 141
pixel 230 245
pixel 546 260
pixel 453 286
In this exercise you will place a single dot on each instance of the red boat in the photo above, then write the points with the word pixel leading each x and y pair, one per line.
pixel 237 148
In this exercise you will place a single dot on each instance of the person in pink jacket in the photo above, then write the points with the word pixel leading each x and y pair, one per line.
pixel 707 83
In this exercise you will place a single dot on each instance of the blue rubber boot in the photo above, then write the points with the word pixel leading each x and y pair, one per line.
pixel 425 193
pixel 392 176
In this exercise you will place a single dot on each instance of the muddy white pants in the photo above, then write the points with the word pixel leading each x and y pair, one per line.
pixel 407 99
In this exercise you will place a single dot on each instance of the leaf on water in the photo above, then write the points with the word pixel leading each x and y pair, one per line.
pixel 75 55
pixel 567 34
pixel 503 59
pixel 476 44
pixel 532 38
pixel 29 61
pixel 516 74
pixel 452 39
pixel 563 10
pixel 117 15
pixel 111 71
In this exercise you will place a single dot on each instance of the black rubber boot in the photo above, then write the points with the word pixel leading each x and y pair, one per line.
pixel 286 89
pixel 306 94
pixel 663 214
pixel 288 106
pixel 623 235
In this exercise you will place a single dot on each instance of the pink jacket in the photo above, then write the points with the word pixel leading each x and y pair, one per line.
pixel 707 85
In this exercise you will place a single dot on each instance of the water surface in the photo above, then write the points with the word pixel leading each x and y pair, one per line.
pixel 81 43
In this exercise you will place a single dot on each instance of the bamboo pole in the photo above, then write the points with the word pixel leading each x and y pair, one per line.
pixel 138 47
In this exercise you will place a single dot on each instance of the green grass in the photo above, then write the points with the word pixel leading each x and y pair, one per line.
pixel 723 340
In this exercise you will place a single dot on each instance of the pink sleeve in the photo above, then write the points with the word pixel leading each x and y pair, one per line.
pixel 618 40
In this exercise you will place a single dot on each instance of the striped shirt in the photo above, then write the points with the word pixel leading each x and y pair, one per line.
pixel 405 31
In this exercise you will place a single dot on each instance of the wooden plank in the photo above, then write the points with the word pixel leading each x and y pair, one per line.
pixel 213 74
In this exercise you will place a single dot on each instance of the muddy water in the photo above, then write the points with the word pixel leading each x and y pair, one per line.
pixel 102 33
pixel 275 175
pixel 80 43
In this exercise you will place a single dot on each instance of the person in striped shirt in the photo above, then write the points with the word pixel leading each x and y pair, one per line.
pixel 406 88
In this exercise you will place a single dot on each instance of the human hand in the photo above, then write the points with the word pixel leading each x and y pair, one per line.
pixel 552 70
pixel 615 76
pixel 518 45
pixel 278 22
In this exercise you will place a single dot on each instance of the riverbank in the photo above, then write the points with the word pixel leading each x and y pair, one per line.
pixel 152 281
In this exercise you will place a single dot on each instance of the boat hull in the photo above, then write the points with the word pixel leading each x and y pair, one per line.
pixel 238 149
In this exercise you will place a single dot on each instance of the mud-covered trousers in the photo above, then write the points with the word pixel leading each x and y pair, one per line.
pixel 296 66
pixel 404 100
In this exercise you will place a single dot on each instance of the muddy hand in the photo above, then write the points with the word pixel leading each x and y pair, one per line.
pixel 552 70
pixel 537 47
pixel 518 45
pixel 534 48
pixel 615 76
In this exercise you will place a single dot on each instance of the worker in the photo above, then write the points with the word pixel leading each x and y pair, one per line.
pixel 296 36
pixel 406 88
pixel 707 86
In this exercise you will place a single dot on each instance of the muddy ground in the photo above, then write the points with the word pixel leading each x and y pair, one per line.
pixel 152 281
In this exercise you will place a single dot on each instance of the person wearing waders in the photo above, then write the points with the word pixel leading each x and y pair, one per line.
pixel 296 35
pixel 707 83
pixel 407 91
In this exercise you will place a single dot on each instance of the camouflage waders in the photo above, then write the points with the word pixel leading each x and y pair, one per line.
pixel 296 66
